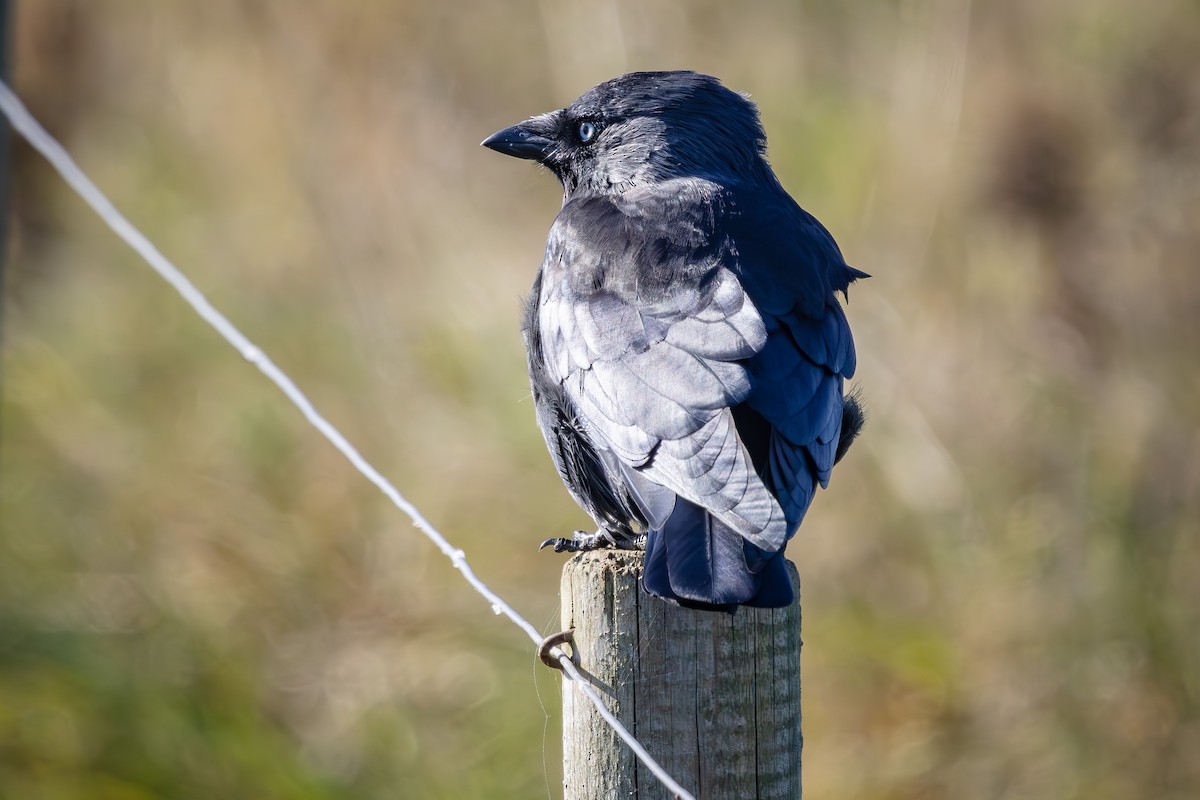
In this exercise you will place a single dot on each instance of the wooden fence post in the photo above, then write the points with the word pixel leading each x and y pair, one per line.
pixel 714 697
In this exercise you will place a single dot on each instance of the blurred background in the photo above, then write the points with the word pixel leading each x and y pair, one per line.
pixel 199 598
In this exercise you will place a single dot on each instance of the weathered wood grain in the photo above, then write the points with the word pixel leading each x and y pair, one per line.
pixel 714 697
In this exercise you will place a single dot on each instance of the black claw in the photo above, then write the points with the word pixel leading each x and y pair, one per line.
pixel 581 542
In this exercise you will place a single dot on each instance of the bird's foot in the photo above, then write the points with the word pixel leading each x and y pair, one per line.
pixel 582 542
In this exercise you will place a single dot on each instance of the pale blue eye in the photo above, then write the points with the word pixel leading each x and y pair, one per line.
pixel 587 131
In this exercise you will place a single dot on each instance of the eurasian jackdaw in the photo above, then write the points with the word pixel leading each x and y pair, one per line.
pixel 686 348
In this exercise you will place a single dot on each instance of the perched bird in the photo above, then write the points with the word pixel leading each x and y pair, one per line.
pixel 686 348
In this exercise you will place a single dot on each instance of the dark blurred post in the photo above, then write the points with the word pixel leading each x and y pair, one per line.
pixel 5 164
pixel 714 697
pixel 5 154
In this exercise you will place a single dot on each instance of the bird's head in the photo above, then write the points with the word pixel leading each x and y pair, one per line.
pixel 643 128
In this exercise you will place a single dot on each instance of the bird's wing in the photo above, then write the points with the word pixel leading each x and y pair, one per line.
pixel 791 268
pixel 647 330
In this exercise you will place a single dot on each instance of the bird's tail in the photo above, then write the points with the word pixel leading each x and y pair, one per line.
pixel 698 561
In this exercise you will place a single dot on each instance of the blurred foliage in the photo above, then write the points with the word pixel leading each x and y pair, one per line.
pixel 198 598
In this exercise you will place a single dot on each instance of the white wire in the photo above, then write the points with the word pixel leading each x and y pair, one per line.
pixel 32 131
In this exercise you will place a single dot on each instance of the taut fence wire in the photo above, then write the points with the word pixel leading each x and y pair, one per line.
pixel 31 130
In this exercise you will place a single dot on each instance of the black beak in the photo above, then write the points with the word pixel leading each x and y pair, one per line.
pixel 527 140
